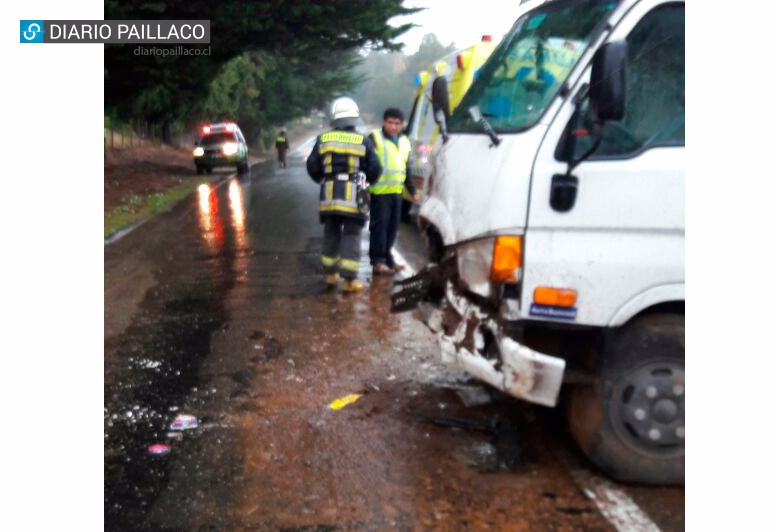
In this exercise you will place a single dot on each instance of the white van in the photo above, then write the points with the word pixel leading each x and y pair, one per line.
pixel 555 222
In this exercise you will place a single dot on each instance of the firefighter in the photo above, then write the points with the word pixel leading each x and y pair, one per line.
pixel 344 162
pixel 394 151
pixel 282 149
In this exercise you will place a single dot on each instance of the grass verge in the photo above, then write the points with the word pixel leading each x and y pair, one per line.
pixel 139 206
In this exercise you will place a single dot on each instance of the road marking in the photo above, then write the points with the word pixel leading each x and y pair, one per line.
pixel 308 143
pixel 614 505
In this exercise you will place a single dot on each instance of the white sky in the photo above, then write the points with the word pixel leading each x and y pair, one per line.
pixel 460 21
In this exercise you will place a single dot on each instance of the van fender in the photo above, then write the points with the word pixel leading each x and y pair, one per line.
pixel 436 214
pixel 650 297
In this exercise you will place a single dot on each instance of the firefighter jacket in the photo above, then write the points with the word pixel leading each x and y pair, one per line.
pixel 336 160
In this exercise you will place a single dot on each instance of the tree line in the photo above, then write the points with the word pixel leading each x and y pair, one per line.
pixel 269 61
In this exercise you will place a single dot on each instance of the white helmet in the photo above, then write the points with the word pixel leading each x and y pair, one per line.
pixel 344 108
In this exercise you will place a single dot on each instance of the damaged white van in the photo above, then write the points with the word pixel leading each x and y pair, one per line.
pixel 554 217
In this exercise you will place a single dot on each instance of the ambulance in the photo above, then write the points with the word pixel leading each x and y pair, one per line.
pixel 450 76
pixel 555 223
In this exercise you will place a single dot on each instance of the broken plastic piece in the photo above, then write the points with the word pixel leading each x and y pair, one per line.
pixel 158 449
pixel 341 402
pixel 184 422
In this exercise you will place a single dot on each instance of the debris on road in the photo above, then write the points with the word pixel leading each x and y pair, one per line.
pixel 158 449
pixel 341 402
pixel 473 396
pixel 457 423
pixel 184 422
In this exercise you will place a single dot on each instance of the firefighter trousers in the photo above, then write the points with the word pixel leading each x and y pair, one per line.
pixel 341 245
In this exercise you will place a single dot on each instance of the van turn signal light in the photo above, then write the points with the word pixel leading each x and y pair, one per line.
pixel 555 297
pixel 506 259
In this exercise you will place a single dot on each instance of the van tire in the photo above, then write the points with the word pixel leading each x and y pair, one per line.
pixel 639 397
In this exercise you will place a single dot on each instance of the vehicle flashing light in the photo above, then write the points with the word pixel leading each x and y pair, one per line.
pixel 230 128
pixel 486 38
pixel 463 60
pixel 206 130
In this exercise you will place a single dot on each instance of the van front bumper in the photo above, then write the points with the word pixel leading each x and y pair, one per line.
pixel 473 339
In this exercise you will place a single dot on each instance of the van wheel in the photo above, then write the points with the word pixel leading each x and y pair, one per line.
pixel 631 422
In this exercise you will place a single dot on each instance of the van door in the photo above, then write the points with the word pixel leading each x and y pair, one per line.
pixel 624 234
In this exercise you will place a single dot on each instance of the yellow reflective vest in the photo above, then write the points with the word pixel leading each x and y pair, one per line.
pixel 393 159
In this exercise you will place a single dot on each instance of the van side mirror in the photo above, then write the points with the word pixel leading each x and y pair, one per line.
pixel 607 91
pixel 441 109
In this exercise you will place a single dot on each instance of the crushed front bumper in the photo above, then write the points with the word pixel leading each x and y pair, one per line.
pixel 474 340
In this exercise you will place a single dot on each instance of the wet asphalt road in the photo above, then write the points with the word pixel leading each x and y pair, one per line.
pixel 216 309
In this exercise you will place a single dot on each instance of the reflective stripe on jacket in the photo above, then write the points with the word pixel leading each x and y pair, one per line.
pixel 338 195
pixel 394 159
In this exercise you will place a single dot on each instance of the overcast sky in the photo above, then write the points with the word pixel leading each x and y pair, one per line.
pixel 460 21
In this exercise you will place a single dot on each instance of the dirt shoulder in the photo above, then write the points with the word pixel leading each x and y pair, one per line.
pixel 143 170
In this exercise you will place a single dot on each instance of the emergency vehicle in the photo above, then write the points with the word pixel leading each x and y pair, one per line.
pixel 446 82
pixel 221 144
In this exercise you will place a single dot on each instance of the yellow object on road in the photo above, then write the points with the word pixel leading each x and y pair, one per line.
pixel 341 402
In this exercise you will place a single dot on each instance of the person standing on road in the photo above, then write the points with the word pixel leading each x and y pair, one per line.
pixel 282 149
pixel 338 161
pixel 394 151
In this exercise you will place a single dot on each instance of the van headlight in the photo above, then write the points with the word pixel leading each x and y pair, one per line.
pixel 474 262
pixel 198 151
pixel 229 148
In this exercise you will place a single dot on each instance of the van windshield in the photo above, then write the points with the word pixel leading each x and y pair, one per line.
pixel 527 69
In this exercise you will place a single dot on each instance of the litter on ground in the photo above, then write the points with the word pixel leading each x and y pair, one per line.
pixel 341 402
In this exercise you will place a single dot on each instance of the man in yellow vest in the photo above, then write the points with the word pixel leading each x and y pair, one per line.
pixel 282 146
pixel 394 151
pixel 343 161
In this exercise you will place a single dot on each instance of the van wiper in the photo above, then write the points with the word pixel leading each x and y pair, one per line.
pixel 478 118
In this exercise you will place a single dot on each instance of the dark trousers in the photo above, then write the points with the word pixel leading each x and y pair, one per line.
pixel 282 157
pixel 385 218
pixel 341 245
